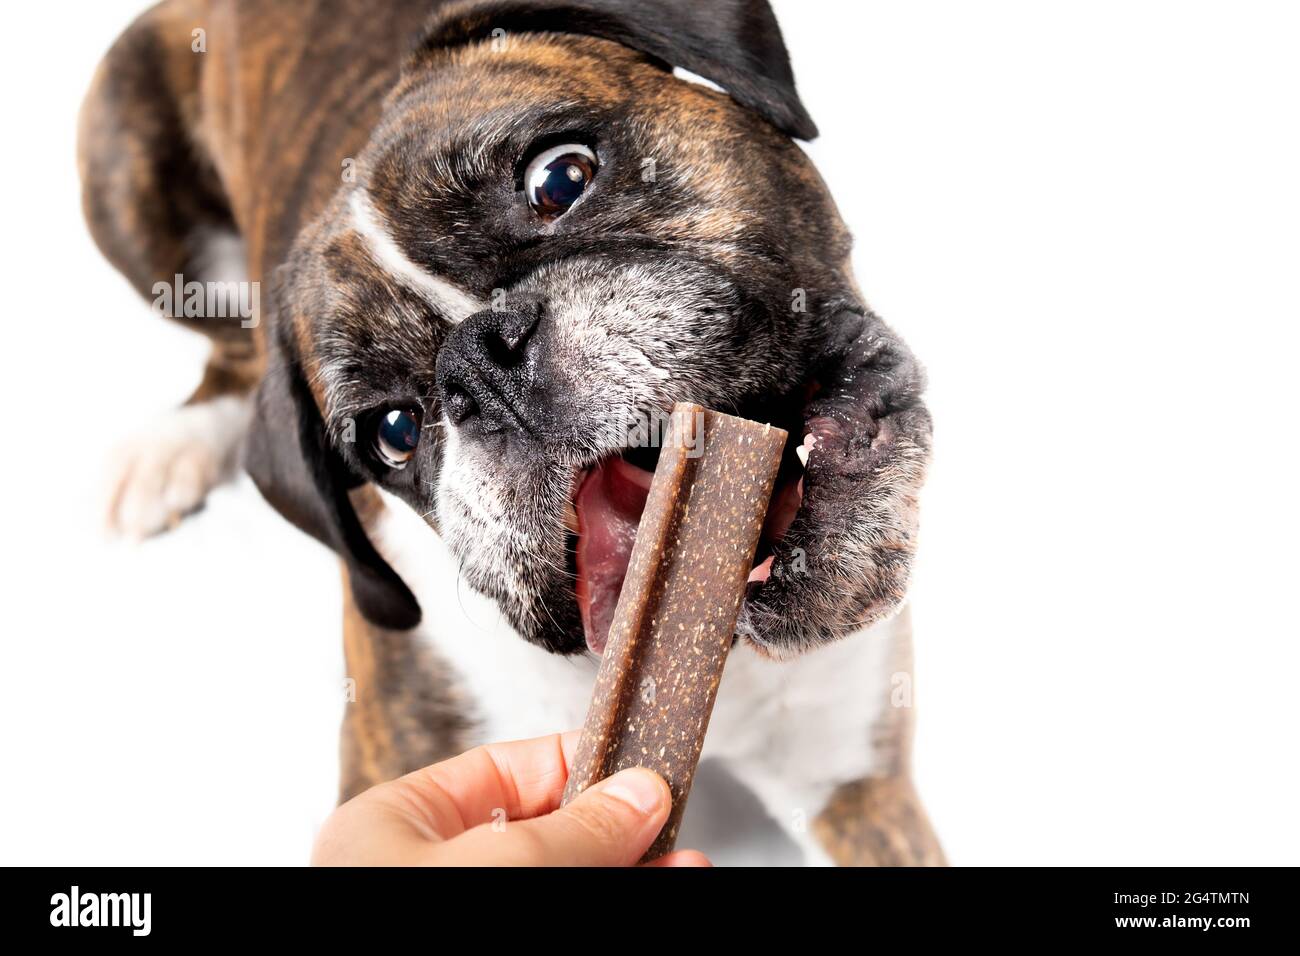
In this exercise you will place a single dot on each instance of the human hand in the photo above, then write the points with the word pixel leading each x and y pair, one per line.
pixel 499 805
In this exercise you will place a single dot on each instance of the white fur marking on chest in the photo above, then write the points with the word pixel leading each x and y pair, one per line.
pixel 518 689
pixel 791 730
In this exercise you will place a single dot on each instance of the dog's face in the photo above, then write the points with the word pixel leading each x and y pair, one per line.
pixel 549 241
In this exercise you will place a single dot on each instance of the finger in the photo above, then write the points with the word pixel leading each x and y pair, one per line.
pixel 681 858
pixel 372 831
pixel 492 783
pixel 611 823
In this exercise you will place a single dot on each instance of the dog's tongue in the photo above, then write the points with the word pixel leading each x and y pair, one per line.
pixel 609 506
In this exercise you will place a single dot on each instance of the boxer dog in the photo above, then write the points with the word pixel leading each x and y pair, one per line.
pixel 482 231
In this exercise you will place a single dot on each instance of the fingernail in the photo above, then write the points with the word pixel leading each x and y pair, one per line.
pixel 638 788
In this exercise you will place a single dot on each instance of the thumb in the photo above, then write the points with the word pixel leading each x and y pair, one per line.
pixel 611 823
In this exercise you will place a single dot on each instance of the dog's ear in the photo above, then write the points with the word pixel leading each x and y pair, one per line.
pixel 293 464
pixel 734 43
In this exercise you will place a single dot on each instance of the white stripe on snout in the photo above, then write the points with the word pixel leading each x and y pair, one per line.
pixel 453 302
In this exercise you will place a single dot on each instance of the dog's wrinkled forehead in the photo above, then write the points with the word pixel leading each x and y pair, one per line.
pixel 679 163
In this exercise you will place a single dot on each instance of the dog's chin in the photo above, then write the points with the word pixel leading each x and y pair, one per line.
pixel 609 499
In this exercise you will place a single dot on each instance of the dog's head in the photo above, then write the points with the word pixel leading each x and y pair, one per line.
pixel 549 240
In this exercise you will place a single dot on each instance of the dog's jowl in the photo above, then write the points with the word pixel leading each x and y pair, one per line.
pixel 493 242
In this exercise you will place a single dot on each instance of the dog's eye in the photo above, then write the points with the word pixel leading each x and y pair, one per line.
pixel 396 436
pixel 556 177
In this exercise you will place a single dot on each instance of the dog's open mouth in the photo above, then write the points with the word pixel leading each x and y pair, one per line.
pixel 608 501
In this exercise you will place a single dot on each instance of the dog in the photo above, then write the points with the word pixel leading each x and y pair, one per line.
pixel 483 231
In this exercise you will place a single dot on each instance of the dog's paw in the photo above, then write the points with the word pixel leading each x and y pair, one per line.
pixel 165 472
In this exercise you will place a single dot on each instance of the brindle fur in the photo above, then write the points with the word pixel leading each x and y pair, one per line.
pixel 402 713
pixel 251 137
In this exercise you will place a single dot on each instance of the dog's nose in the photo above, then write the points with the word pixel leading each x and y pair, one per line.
pixel 487 372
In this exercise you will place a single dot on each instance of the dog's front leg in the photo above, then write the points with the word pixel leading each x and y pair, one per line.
pixel 874 821
pixel 832 765
pixel 877 821
pixel 400 710
pixel 158 210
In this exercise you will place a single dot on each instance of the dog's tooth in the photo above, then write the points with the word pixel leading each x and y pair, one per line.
pixel 804 450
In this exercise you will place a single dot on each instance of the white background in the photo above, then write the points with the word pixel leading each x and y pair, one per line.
pixel 1085 218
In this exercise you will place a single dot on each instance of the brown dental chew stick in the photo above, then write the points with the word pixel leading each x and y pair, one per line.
pixel 676 613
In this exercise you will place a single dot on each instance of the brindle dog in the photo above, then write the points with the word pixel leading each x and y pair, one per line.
pixel 481 228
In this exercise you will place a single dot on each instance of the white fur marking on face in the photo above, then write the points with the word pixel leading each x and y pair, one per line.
pixel 452 302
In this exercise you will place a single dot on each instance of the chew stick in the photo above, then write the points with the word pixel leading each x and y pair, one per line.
pixel 676 613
